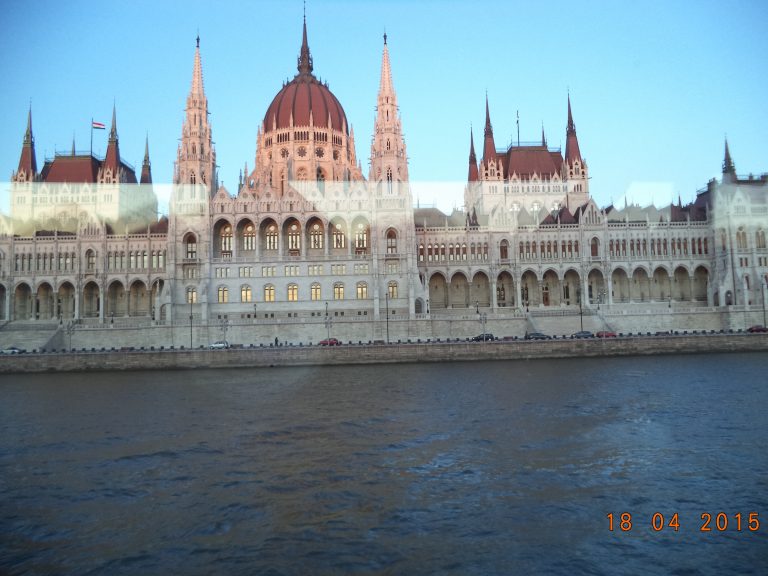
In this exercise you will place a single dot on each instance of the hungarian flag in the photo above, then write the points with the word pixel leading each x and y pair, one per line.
pixel 97 125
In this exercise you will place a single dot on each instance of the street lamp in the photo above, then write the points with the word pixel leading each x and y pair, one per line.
pixel 764 290
pixel 427 306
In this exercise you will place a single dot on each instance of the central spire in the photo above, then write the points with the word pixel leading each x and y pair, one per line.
pixel 305 58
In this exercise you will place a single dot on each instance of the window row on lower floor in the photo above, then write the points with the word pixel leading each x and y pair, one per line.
pixel 292 293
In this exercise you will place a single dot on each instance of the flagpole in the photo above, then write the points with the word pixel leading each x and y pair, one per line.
pixel 91 135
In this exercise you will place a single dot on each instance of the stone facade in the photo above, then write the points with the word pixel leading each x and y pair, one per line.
pixel 308 247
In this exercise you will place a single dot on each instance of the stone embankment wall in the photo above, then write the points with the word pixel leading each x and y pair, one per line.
pixel 305 330
pixel 382 353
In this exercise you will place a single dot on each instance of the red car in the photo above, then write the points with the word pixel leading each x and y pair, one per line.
pixel 606 334
pixel 757 328
pixel 329 342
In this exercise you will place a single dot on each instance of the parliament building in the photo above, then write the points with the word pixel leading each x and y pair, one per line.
pixel 309 246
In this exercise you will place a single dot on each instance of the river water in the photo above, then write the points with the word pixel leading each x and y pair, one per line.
pixel 467 468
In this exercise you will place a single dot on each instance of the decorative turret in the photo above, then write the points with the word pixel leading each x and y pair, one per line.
pixel 27 171
pixel 305 58
pixel 389 161
pixel 146 167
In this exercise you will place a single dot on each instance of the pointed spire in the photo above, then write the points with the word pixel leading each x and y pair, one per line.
pixel 112 157
pixel 73 144
pixel 28 137
pixel 572 152
pixel 728 166
pixel 385 84
pixel 146 167
pixel 571 126
pixel 543 137
pixel 473 173
pixel 305 58
pixel 489 146
pixel 197 72
pixel 113 130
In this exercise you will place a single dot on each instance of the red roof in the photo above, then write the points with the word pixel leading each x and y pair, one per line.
pixel 525 161
pixel 78 169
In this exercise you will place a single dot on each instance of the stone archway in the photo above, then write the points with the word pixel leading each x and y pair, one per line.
pixel 480 293
pixel 682 285
pixel 44 302
pixel 22 302
pixel 529 289
pixel 572 288
pixel 91 300
pixel 459 291
pixel 438 291
pixel 550 289
pixel 596 287
pixel 641 285
pixel 505 290
pixel 620 286
pixel 700 286
pixel 661 288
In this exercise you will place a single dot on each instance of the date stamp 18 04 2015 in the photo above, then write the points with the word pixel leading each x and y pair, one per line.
pixel 707 522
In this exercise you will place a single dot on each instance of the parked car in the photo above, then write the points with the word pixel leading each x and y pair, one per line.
pixel 330 342
pixel 606 334
pixel 483 337
pixel 757 328
pixel 11 350
pixel 219 345
pixel 537 336
pixel 582 334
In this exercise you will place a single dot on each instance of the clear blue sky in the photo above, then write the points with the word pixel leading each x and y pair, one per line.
pixel 655 86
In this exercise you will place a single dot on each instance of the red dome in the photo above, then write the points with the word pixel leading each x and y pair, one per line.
pixel 300 96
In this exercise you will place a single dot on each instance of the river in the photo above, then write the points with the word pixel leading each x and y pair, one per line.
pixel 465 468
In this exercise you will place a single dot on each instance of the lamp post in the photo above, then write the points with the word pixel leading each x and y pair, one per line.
pixel 427 306
pixel 190 323
pixel 327 322
pixel 70 329
pixel 764 290
pixel 386 299
pixel 481 317
pixel 581 311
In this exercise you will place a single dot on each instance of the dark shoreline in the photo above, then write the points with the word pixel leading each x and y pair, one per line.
pixel 181 359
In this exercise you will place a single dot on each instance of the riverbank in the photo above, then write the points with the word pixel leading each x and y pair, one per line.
pixel 186 359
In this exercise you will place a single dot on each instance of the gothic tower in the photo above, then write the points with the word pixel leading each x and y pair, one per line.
pixel 389 161
pixel 575 168
pixel 196 157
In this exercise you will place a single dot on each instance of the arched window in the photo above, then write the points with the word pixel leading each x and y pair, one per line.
pixel 760 239
pixel 339 237
pixel 271 238
pixel 245 293
pixel 392 289
pixel 421 252
pixel 504 250
pixel 226 239
pixel 191 296
pixel 315 291
pixel 269 293
pixel 294 238
pixel 316 236
pixel 741 239
pixel 594 247
pixel 389 179
pixel 223 294
pixel 90 259
pixel 361 238
pixel 391 242
pixel 249 237
pixel 293 293
pixel 338 291
pixel 362 290
pixel 190 243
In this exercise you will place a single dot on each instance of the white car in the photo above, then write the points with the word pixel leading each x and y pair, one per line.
pixel 10 350
pixel 220 345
